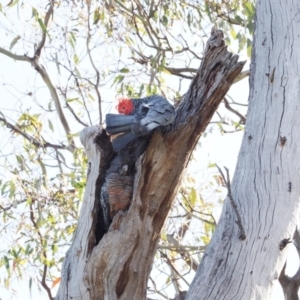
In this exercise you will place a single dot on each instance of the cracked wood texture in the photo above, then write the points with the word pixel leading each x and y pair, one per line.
pixel 118 266
pixel 266 185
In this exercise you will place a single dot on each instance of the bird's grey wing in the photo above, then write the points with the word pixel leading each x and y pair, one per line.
pixel 159 114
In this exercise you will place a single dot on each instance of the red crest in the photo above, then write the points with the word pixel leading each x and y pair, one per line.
pixel 125 106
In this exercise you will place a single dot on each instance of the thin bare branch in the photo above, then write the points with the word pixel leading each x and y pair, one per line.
pixel 187 46
pixel 14 56
pixel 95 85
pixel 182 248
pixel 179 71
pixel 171 265
pixel 190 261
pixel 241 76
pixel 13 205
pixel 190 213
pixel 31 139
pixel 75 115
pixel 156 290
pixel 46 21
pixel 184 227
pixel 45 269
pixel 242 235
pixel 75 77
pixel 71 109
pixel 197 217
pixel 45 76
pixel 227 105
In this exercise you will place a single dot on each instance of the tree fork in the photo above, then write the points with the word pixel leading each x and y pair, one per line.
pixel 118 266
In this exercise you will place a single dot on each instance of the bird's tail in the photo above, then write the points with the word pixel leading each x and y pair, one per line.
pixel 118 123
pixel 122 140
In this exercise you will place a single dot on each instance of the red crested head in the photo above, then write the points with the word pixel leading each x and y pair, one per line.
pixel 125 106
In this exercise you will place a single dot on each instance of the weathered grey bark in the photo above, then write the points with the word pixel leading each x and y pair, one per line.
pixel 290 285
pixel 118 267
pixel 266 185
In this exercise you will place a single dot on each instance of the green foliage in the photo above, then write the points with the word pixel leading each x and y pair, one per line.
pixel 235 17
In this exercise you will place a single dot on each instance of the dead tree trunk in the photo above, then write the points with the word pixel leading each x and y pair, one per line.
pixel 118 266
pixel 266 185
